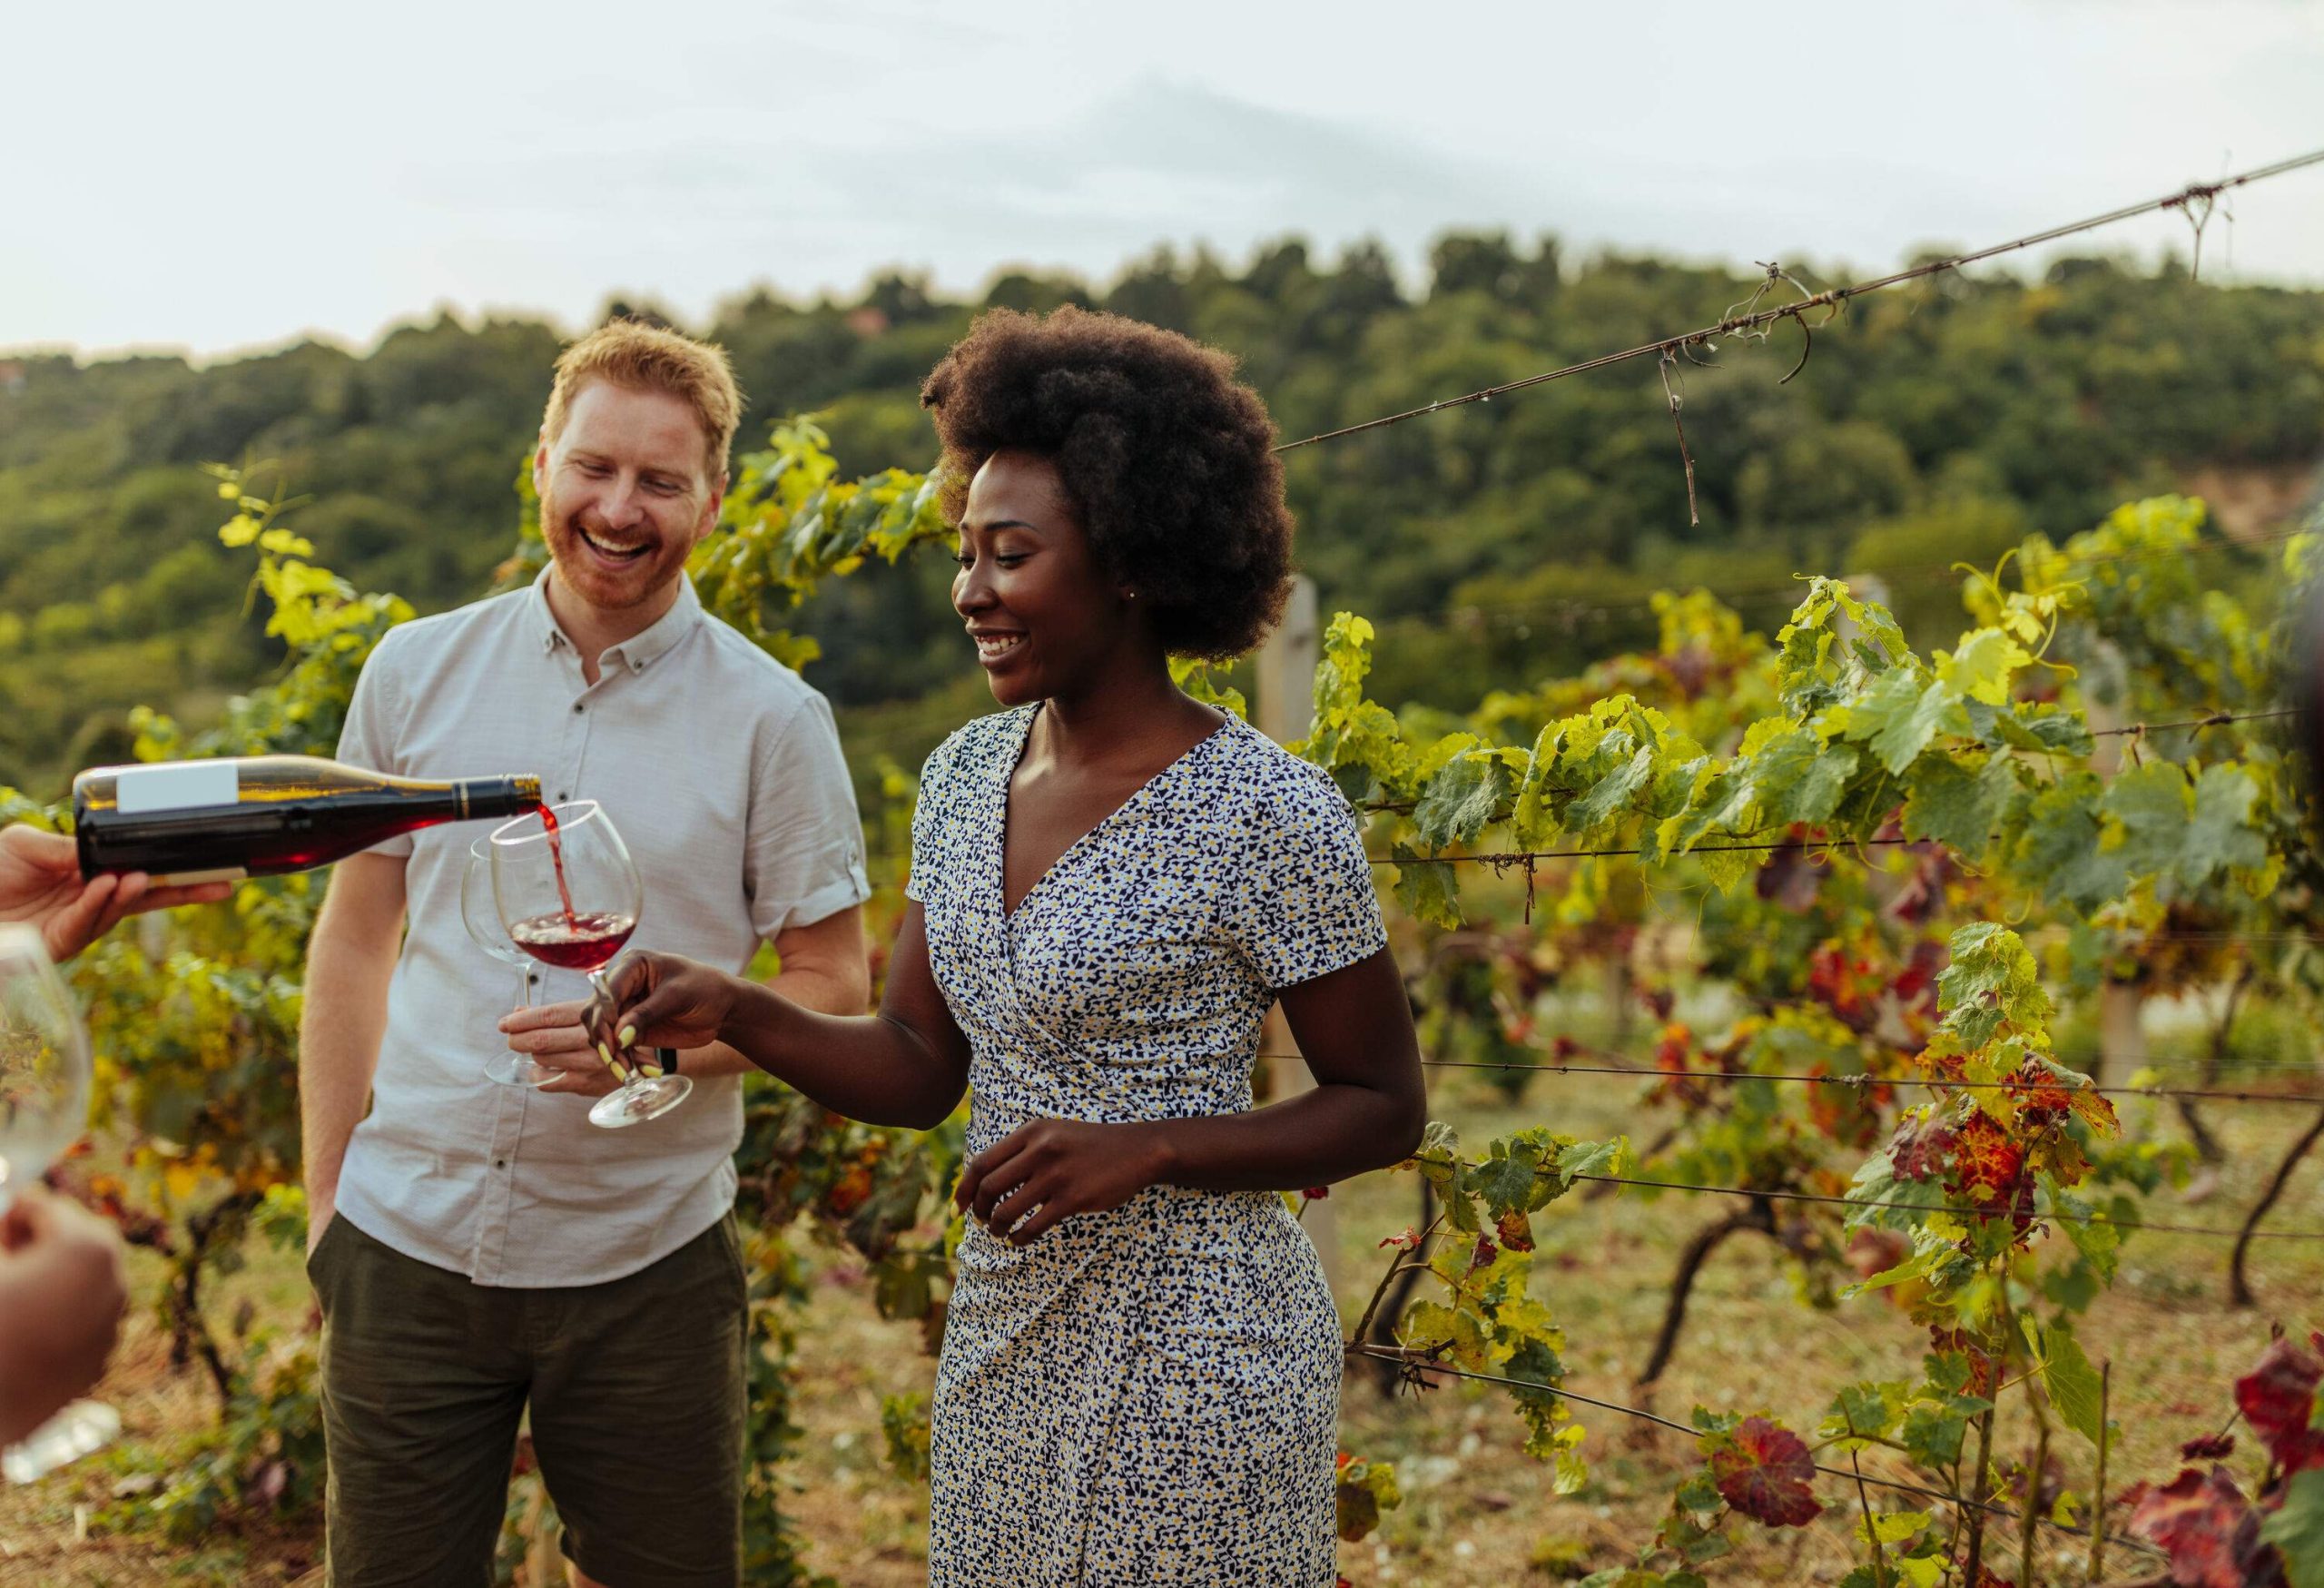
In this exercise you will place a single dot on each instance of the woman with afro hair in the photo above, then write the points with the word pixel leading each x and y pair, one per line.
pixel 1111 883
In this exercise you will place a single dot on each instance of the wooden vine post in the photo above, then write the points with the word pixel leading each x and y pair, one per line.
pixel 1285 688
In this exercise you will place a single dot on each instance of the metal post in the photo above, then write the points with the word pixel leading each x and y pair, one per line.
pixel 1285 682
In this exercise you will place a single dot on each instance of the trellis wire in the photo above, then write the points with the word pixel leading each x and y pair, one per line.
pixel 1670 346
pixel 1856 1083
pixel 1960 1210
pixel 1408 1359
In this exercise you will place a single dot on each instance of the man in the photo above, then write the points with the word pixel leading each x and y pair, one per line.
pixel 480 1249
pixel 61 1284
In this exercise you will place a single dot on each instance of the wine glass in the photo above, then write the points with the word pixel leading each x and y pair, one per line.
pixel 482 918
pixel 568 894
pixel 44 1107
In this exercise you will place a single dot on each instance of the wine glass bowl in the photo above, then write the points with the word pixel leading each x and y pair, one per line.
pixel 567 893
pixel 44 1061
pixel 482 918
pixel 45 1070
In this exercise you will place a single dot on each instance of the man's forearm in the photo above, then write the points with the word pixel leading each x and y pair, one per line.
pixel 346 1016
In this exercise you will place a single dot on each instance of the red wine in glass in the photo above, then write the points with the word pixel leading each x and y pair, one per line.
pixel 568 894
pixel 564 891
pixel 573 941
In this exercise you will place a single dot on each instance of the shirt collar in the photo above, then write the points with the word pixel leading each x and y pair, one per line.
pixel 639 649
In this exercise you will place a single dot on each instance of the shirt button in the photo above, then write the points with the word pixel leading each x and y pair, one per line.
pixel 576 708
pixel 500 1163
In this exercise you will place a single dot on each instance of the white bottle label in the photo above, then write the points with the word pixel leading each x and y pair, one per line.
pixel 185 787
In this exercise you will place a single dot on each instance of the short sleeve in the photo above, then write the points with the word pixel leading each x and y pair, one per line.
pixel 374 721
pixel 927 816
pixel 1300 901
pixel 803 860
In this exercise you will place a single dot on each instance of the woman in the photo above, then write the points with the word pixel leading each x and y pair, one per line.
pixel 1111 883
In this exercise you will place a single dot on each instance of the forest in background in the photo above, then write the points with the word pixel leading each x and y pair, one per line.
pixel 1938 422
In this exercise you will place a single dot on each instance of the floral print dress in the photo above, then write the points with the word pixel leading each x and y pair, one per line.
pixel 1148 1395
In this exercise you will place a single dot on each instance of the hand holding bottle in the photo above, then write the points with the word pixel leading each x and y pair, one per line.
pixel 40 883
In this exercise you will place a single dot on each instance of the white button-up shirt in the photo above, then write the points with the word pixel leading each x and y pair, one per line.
pixel 721 770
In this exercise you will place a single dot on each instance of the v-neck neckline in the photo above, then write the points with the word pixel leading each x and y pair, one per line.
pixel 1016 758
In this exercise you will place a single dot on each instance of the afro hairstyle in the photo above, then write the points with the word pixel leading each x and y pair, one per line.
pixel 1168 460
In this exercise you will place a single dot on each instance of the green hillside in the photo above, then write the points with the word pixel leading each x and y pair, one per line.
pixel 1940 421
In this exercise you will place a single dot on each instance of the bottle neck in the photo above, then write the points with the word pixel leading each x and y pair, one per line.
pixel 496 796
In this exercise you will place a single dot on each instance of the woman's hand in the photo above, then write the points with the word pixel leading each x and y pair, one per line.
pixel 660 1000
pixel 1051 1169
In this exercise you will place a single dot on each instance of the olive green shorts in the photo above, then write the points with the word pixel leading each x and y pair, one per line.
pixel 635 1389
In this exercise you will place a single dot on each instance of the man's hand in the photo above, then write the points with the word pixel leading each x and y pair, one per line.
pixel 40 882
pixel 553 1037
pixel 321 1211
pixel 61 1296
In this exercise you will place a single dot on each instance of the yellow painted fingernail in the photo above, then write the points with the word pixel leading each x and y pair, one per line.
pixel 605 1053
pixel 651 1071
pixel 628 1035
pixel 620 1073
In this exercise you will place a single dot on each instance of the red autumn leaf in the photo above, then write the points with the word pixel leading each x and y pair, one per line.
pixel 1564 1047
pixel 1872 1251
pixel 2210 1531
pixel 2208 1447
pixel 1670 1053
pixel 1956 1342
pixel 1986 1163
pixel 1484 1254
pixel 1764 1472
pixel 1317 1193
pixel 1406 1241
pixel 2278 1399
pixel 1516 1231
pixel 1923 1148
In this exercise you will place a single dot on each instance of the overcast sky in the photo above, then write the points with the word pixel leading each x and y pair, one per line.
pixel 211 178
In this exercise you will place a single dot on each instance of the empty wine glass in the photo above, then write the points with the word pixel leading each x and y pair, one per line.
pixel 44 1107
pixel 568 894
pixel 482 918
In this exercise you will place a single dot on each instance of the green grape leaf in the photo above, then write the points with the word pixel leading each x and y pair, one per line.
pixel 2060 855
pixel 1890 1527
pixel 1863 1412
pixel 1991 981
pixel 2221 836
pixel 1982 668
pixel 1898 717
pixel 1957 805
pixel 1366 1489
pixel 1508 1176
pixel 2071 1381
pixel 1799 778
pixel 1459 801
pixel 1611 793
pixel 1428 890
pixel 2298 1527
pixel 1612 1156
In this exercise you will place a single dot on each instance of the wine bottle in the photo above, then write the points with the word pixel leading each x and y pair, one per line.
pixel 261 815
